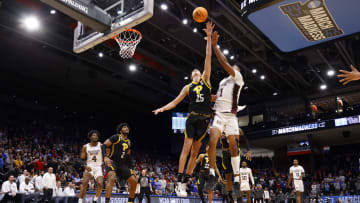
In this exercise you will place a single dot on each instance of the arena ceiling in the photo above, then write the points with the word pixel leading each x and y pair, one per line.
pixel 167 54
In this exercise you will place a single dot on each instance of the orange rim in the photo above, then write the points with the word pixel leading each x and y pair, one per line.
pixel 115 37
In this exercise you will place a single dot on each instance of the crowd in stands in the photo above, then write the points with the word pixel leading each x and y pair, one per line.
pixel 30 153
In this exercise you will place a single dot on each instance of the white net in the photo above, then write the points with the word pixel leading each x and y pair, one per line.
pixel 128 40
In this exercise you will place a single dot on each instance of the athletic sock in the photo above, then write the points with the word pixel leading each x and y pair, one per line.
pixel 235 163
pixel 179 177
pixel 212 171
pixel 95 198
pixel 187 177
pixel 107 200
pixel 80 200
pixel 130 200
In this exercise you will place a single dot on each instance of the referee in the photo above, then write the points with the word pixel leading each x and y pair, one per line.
pixel 145 186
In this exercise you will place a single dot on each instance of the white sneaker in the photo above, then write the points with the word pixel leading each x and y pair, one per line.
pixel 178 190
pixel 183 190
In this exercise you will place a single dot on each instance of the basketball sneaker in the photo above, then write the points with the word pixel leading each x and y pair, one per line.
pixel 236 190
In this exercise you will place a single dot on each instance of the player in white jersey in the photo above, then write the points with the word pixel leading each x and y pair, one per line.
pixel 246 176
pixel 92 153
pixel 225 120
pixel 296 174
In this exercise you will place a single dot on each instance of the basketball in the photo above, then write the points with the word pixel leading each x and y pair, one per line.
pixel 200 14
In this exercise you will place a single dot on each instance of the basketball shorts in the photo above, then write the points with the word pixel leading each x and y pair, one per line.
pixel 197 127
pixel 226 162
pixel 299 185
pixel 203 175
pixel 244 186
pixel 96 171
pixel 226 123
pixel 122 171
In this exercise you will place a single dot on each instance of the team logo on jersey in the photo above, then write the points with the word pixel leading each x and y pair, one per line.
pixel 312 19
pixel 198 89
pixel 125 146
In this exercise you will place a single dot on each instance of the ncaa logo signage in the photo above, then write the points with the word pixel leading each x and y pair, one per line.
pixel 312 19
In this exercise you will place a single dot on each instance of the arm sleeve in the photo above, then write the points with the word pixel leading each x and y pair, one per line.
pixel 251 177
pixel 238 78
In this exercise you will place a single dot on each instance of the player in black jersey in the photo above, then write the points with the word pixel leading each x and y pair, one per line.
pixel 203 159
pixel 197 123
pixel 116 152
pixel 226 160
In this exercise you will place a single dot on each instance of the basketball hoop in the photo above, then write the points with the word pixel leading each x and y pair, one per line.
pixel 128 40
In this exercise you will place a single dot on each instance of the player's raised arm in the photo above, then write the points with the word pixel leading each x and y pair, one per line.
pixel 174 102
pixel 107 144
pixel 349 76
pixel 207 66
pixel 220 56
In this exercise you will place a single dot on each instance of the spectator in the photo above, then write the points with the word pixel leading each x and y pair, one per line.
pixel 170 187
pixel 157 186
pixel 21 178
pixel 281 197
pixel 9 188
pixel 266 195
pixel 39 164
pixel 69 192
pixel 163 185
pixel 59 193
pixel 49 181
pixel 291 198
pixel 18 162
pixel 38 181
pixel 28 189
pixel 259 194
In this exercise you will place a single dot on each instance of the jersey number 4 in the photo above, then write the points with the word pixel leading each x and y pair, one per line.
pixel 94 158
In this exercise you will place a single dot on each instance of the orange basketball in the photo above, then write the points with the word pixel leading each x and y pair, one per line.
pixel 200 14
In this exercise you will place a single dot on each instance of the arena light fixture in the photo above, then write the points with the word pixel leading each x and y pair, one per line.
pixel 254 71
pixel 132 68
pixel 53 12
pixel 185 21
pixel 323 87
pixel 275 93
pixel 100 54
pixel 164 7
pixel 226 52
pixel 232 57
pixel 186 78
pixel 31 23
pixel 218 46
pixel 262 77
pixel 195 30
pixel 331 73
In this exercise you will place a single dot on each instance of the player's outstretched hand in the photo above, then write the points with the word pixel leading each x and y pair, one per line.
pixel 349 76
pixel 157 111
pixel 248 155
pixel 215 38
pixel 209 28
pixel 107 161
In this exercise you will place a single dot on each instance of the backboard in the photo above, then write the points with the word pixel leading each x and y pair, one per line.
pixel 100 20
